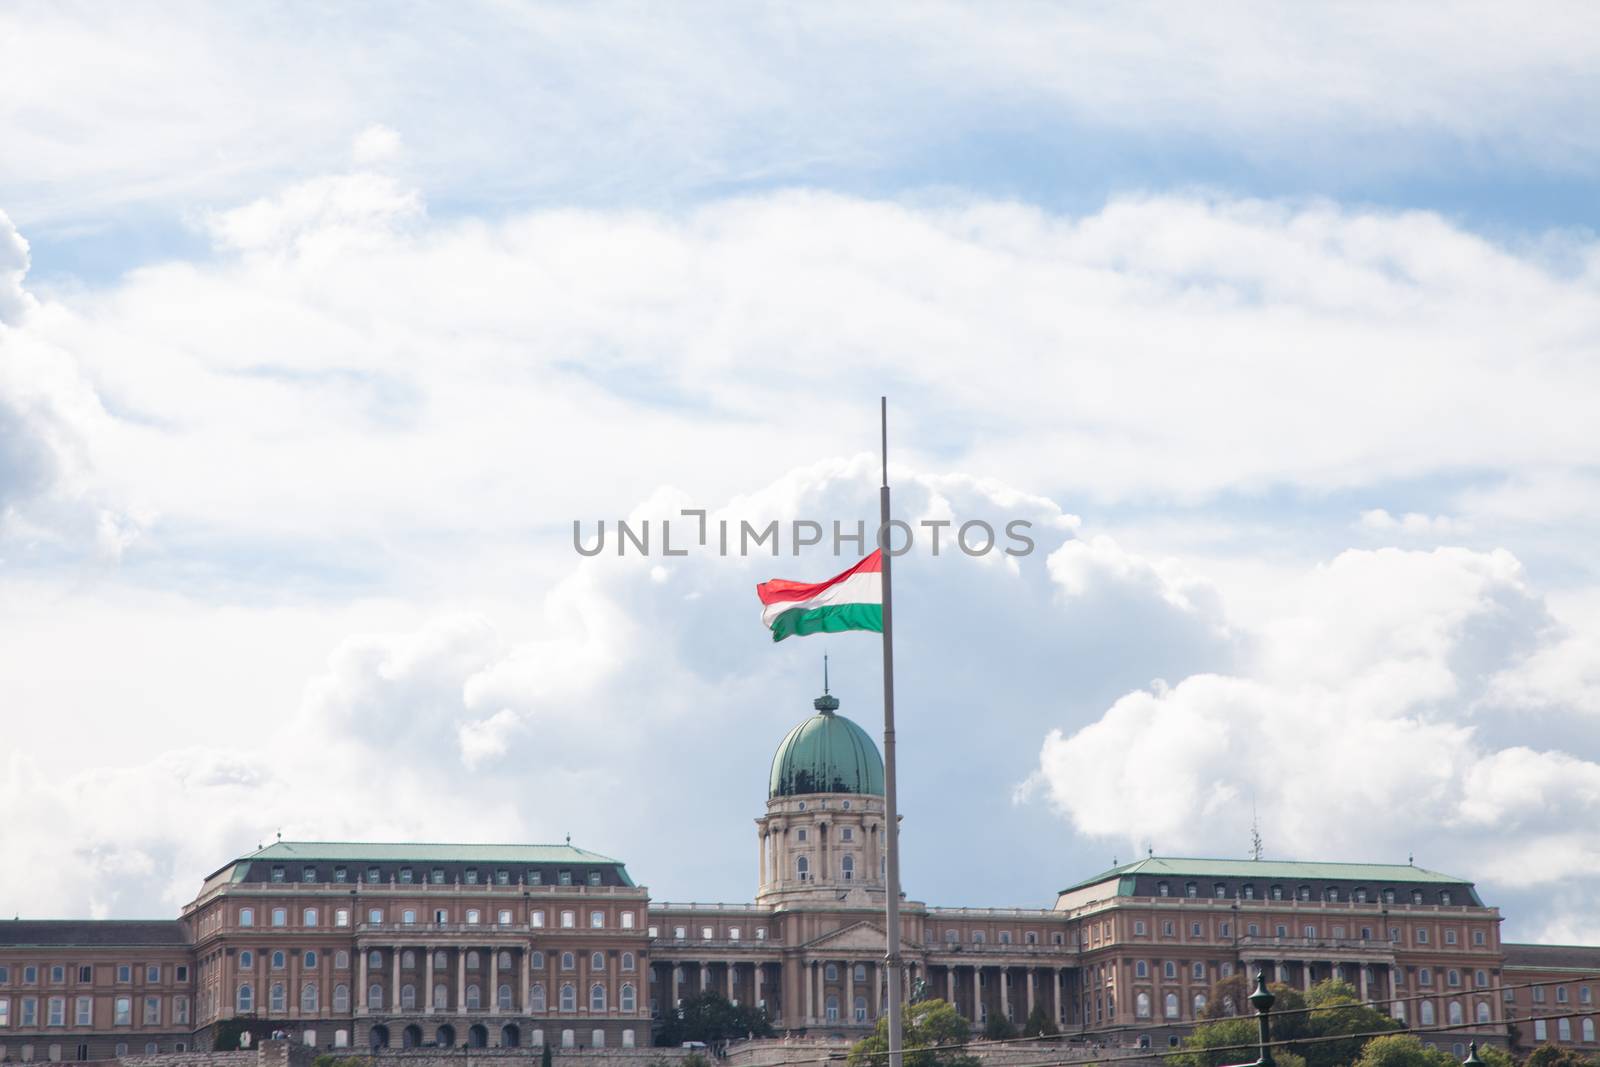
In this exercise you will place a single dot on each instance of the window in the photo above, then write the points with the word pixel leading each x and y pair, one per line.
pixel 1538 994
pixel 1277 892
pixel 310 958
pixel 1425 1013
pixel 277 997
pixel 1452 977
pixel 1199 970
pixel 597 997
pixel 341 917
pixel 1199 1004
pixel 597 961
pixel 707 933
pixel 56 1012
pixel 847 834
pixel 1030 937
pixel 1249 892
pixel 1191 890
pixel 505 917
pixel 1194 929
pixel 1225 930
pixel 563 878
pixel 1444 896
pixel 84 1016
pixel 1167 929
pixel 539 1003
pixel 1138 927
pixel 1584 996
pixel 536 920
pixel 341 998
pixel 1219 890
pixel 679 933
pixel 1388 896
pixel 474 1001
pixel 58 974
pixel 1541 1030
pixel 308 917
pixel 436 876
pixel 629 998
pixel 1253 930
pixel 472 876
pixel 502 877
pixel 502 997
pixel 247 960
pixel 1163 890
pixel 1588 1030
pixel 375 916
pixel 1449 937
pixel 441 997
pixel 1281 930
pixel 373 875
pixel 246 1000
pixel 1172 1005
pixel 1424 976
pixel 597 920
pixel 374 958
pixel 569 997
pixel 1304 892
pixel 627 920
pixel 408 916
pixel 847 867
pixel 1563 1029
pixel 1141 969
pixel 247 916
pixel 1483 1011
pixel 277 874
pixel 280 916
pixel 569 920
pixel 536 961
pixel 1477 937
pixel 535 877
pixel 341 874
pixel 569 962
pixel 979 937
pixel 1416 896
pixel 1169 969
pixel 1005 937
pixel 1561 994
pixel 1141 1004
pixel 374 995
pixel 1309 932
pixel 1359 896
pixel 474 916
pixel 152 973
pixel 802 868
pixel 568 1038
pixel 1333 894
pixel 308 997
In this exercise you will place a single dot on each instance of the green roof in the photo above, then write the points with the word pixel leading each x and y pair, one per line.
pixel 826 753
pixel 1288 870
pixel 420 852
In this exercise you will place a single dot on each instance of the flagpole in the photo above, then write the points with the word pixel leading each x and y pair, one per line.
pixel 890 816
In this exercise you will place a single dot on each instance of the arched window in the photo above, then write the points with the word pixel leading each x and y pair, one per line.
pixel 569 962
pixel 441 996
pixel 408 959
pixel 278 961
pixel 247 998
pixel 503 998
pixel 536 961
pixel 569 997
pixel 597 1039
pixel 472 960
pixel 374 958
pixel 505 961
pixel 830 973
pixel 341 960
pixel 597 997
pixel 341 998
pixel 474 999
pixel 308 998
pixel 1455 1014
pixel 539 1003
pixel 597 961
pixel 1199 1004
pixel 1564 1029
pixel 802 867
pixel 1425 1013
pixel 627 961
pixel 408 997
pixel 277 997
pixel 1588 1030
pixel 310 958
pixel 440 959
pixel 833 1007
pixel 374 995
pixel 848 867
pixel 859 1009
pixel 1172 1005
pixel 1483 1011
pixel 630 999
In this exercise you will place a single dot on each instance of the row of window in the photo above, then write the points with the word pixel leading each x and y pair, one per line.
pixel 279 960
pixel 436 876
pixel 1541 1030
pixel 1359 895
pixel 846 833
pixel 1169 969
pixel 55 1011
pixel 310 918
pixel 1309 931
pixel 1427 1014
pixel 708 933
pixel 54 1052
pixel 30 973
pixel 1585 994
pixel 310 998
pixel 1003 937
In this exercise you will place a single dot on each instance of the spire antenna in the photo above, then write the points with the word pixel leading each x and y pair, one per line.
pixel 824 674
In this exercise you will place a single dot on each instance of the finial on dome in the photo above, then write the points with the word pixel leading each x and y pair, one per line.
pixel 827 704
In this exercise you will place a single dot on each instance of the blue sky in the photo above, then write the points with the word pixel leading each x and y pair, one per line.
pixel 317 331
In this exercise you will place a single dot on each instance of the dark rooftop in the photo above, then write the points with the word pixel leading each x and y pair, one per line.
pixel 92 932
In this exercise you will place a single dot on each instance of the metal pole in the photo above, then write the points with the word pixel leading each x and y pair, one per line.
pixel 890 816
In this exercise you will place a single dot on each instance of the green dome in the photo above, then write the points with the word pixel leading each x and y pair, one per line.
pixel 826 753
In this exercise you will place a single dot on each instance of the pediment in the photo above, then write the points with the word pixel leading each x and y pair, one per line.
pixel 857 937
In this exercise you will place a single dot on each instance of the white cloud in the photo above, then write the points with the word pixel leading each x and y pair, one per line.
pixel 374 145
pixel 1350 730
pixel 1412 524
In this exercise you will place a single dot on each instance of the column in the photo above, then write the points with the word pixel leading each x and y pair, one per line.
pixel 810 992
pixel 1005 992
pixel 394 988
pixel 1305 974
pixel 760 993
pixel 705 978
pixel 1058 993
pixel 1028 977
pixel 880 987
pixel 361 988
pixel 494 982
pixel 461 981
pixel 427 984
pixel 526 999
pixel 1364 998
pixel 677 978
pixel 727 974
pixel 950 985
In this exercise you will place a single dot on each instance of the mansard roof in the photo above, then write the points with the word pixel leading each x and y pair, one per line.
pixel 249 867
pixel 1553 957
pixel 108 933
pixel 1373 875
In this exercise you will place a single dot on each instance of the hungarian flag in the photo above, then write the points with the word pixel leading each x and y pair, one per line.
pixel 849 601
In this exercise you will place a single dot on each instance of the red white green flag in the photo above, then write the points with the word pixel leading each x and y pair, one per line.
pixel 849 601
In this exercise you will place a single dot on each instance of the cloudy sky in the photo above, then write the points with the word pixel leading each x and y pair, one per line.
pixel 318 331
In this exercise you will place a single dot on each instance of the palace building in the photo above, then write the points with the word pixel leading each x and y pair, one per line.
pixel 356 945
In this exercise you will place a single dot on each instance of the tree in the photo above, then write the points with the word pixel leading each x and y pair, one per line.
pixel 1495 1056
pixel 226 1036
pixel 933 1034
pixel 713 1018
pixel 1228 997
pixel 1556 1056
pixel 1039 1023
pixel 1402 1050
pixel 1336 1010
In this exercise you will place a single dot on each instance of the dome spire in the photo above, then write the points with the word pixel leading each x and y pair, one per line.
pixel 826 704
